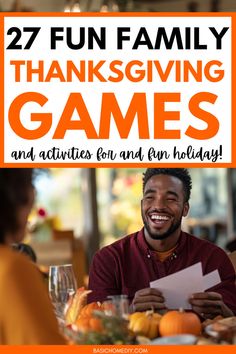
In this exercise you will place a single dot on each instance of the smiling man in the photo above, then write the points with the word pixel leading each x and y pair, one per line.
pixel 161 248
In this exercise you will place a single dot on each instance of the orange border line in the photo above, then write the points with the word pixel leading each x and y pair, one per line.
pixel 2 91
pixel 233 78
pixel 89 349
pixel 118 165
pixel 118 14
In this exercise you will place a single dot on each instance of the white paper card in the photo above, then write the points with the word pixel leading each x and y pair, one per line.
pixel 211 279
pixel 178 287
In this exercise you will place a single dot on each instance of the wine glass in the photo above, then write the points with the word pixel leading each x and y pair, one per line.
pixel 117 305
pixel 62 285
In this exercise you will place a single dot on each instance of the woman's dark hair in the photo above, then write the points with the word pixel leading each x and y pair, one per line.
pixel 15 184
pixel 181 173
pixel 25 249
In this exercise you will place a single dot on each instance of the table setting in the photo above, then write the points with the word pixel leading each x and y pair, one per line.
pixel 111 322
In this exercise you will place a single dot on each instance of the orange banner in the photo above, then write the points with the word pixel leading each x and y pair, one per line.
pixel 115 349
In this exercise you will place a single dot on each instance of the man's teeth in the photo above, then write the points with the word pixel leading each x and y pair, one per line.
pixel 159 217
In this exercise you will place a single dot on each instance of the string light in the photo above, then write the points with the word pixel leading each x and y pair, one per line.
pixel 67 8
pixel 76 7
pixel 115 7
pixel 72 6
pixel 104 8
pixel 109 5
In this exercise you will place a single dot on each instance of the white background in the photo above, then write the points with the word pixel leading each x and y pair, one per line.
pixel 57 92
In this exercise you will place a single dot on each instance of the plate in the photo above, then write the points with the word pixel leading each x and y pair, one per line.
pixel 185 339
pixel 224 325
pixel 210 331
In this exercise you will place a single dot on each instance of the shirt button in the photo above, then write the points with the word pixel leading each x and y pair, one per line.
pixel 148 256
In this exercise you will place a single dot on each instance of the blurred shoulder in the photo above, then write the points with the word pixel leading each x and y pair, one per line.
pixel 205 246
pixel 13 262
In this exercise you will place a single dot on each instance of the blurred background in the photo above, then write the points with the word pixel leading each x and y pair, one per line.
pixel 118 5
pixel 77 211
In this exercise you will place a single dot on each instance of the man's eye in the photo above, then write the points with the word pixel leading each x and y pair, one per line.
pixel 172 199
pixel 149 197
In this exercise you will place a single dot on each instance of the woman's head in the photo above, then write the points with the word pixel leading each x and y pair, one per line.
pixel 16 200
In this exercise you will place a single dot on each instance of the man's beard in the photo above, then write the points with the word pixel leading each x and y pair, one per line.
pixel 166 234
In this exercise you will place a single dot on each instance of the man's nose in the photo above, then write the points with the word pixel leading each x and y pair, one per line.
pixel 159 203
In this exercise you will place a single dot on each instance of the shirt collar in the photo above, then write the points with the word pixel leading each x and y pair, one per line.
pixel 147 250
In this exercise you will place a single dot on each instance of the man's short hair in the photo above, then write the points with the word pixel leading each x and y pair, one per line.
pixel 181 173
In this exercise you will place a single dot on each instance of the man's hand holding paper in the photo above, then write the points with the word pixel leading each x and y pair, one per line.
pixel 209 305
pixel 185 289
pixel 148 298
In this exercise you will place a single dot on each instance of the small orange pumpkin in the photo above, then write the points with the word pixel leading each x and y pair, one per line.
pixel 179 322
pixel 88 309
pixel 145 323
pixel 86 324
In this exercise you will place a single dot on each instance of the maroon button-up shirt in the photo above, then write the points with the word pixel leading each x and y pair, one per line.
pixel 129 265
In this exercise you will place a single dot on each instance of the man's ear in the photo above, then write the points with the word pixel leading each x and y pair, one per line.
pixel 141 202
pixel 186 209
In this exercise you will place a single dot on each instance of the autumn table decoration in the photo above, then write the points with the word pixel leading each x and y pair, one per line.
pixel 180 322
pixel 145 323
